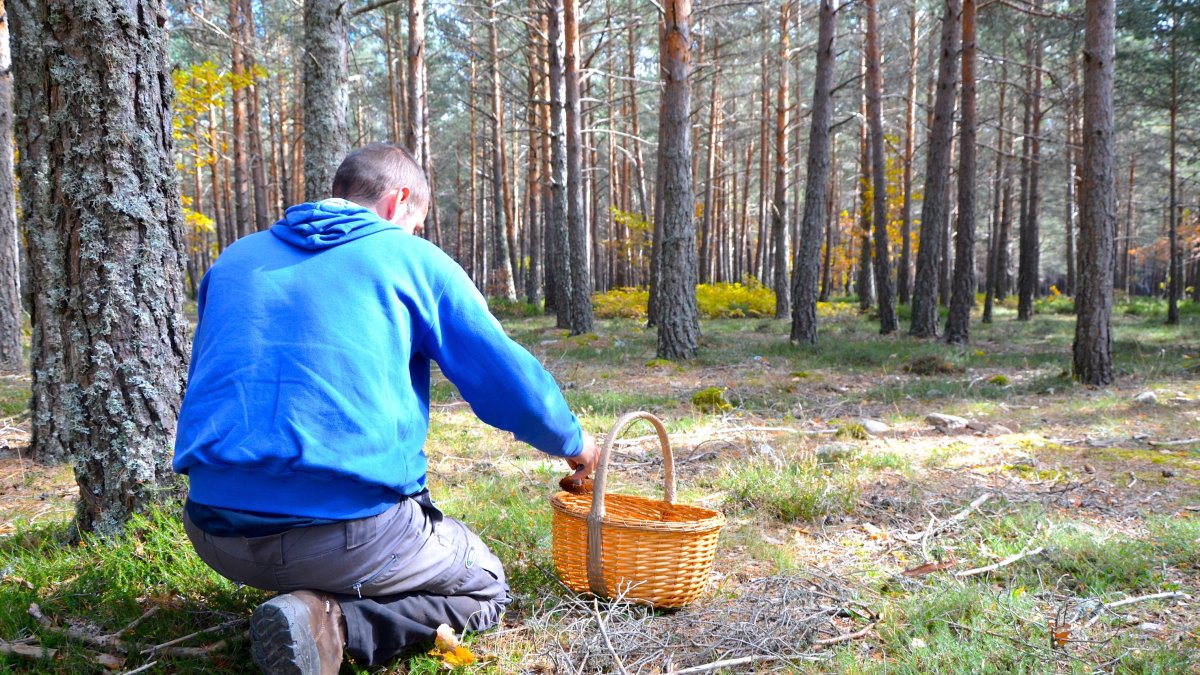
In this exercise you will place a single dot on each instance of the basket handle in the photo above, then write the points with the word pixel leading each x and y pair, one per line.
pixel 596 517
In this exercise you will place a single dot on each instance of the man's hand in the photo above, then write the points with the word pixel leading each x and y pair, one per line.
pixel 585 462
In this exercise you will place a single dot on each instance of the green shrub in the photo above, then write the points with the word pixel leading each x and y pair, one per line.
pixel 711 399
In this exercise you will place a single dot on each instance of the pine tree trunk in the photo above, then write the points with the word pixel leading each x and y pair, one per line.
pixel 1174 271
pixel 808 264
pixel 1028 264
pixel 504 285
pixel 904 271
pixel 255 156
pixel 884 291
pixel 937 172
pixel 243 211
pixel 10 262
pixel 559 234
pixel 326 94
pixel 1069 257
pixel 710 173
pixel 779 210
pixel 51 417
pixel 106 249
pixel 866 271
pixel 997 190
pixel 577 224
pixel 675 229
pixel 962 299
pixel 1127 241
pixel 1092 363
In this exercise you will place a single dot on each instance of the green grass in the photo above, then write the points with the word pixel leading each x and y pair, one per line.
pixel 795 492
pixel 14 395
pixel 108 584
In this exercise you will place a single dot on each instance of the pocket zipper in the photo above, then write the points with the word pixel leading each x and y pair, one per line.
pixel 378 573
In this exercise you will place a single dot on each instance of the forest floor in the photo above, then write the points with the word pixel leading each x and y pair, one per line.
pixel 861 535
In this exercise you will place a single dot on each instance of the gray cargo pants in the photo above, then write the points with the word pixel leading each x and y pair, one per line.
pixel 397 575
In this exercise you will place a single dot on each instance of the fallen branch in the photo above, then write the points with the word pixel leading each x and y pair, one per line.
pixel 1167 444
pixel 607 640
pixel 107 643
pixel 995 566
pixel 1140 598
pixel 141 669
pixel 845 636
pixel 211 629
pixel 934 528
pixel 728 663
pixel 27 651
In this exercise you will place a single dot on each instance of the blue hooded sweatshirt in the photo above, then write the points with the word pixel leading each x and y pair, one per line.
pixel 308 390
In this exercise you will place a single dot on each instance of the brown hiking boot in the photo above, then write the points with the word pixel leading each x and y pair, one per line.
pixel 298 633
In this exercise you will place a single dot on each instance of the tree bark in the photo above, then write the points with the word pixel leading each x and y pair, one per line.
pixel 904 271
pixel 243 213
pixel 559 238
pixel 779 222
pixel 937 172
pixel 1092 362
pixel 998 183
pixel 577 224
pixel 255 156
pixel 51 415
pixel 503 278
pixel 107 249
pixel 675 229
pixel 962 299
pixel 10 261
pixel 813 223
pixel 1028 264
pixel 326 94
pixel 884 291
pixel 710 173
pixel 1174 271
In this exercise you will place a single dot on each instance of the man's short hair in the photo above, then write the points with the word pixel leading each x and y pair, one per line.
pixel 372 170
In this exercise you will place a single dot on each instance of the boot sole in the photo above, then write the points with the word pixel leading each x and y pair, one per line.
pixel 281 640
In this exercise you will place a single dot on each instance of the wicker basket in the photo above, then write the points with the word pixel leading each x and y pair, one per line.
pixel 644 550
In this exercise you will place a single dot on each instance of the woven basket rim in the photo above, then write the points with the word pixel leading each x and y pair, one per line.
pixel 712 520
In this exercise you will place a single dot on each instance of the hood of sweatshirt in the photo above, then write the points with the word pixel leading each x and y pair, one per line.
pixel 328 223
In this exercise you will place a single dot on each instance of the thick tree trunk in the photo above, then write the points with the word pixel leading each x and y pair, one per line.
pixel 962 298
pixel 813 222
pixel 1092 363
pixel 779 211
pixel 326 94
pixel 577 224
pixel 107 249
pixel 884 291
pixel 52 416
pixel 559 234
pixel 937 173
pixel 10 261
pixel 675 228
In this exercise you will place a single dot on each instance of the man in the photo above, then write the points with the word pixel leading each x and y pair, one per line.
pixel 306 412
